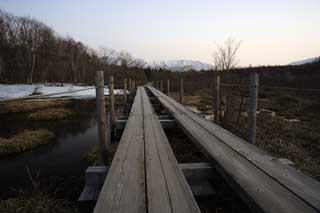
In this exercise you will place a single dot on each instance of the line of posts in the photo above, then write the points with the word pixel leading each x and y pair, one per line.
pixel 106 121
pixel 252 108
pixel 253 100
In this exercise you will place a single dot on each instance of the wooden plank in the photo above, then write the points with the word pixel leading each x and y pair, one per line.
pixel 166 123
pixel 267 184
pixel 124 187
pixel 197 175
pixel 167 188
pixel 302 185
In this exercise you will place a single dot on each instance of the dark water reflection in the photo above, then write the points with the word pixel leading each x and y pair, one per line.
pixel 63 158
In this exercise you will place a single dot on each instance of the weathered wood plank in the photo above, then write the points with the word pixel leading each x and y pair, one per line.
pixel 266 184
pixel 124 188
pixel 166 123
pixel 167 188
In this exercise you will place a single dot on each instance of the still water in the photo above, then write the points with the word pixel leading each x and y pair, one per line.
pixel 63 158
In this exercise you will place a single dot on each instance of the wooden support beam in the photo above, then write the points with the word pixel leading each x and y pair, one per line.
pixel 111 105
pixel 197 171
pixel 101 118
pixel 216 104
pixel 253 105
pixel 125 91
pixel 133 86
pixel 197 175
pixel 168 87
pixel 130 87
pixel 161 88
pixel 164 117
pixel 181 91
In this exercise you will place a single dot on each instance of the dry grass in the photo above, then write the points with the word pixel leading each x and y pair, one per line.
pixel 26 140
pixel 297 142
pixel 27 106
pixel 52 114
pixel 36 202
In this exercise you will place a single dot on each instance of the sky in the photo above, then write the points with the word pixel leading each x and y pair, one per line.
pixel 272 32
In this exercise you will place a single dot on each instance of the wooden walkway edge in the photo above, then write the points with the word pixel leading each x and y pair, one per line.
pixel 261 180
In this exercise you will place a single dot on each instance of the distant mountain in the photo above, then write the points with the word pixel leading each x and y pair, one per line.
pixel 306 61
pixel 179 65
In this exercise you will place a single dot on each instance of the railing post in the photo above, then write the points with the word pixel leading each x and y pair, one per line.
pixel 181 90
pixel 217 96
pixel 101 118
pixel 133 86
pixel 253 105
pixel 161 88
pixel 125 91
pixel 168 87
pixel 130 88
pixel 111 104
pixel 157 86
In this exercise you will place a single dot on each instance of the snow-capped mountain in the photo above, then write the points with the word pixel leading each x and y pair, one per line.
pixel 306 61
pixel 179 65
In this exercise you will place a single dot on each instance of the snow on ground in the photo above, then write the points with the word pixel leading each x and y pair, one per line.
pixel 22 90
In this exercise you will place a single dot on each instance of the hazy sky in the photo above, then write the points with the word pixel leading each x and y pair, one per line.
pixel 273 31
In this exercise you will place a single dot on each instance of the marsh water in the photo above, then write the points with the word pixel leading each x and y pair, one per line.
pixel 63 159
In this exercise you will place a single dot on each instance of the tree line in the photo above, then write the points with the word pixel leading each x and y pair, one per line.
pixel 32 52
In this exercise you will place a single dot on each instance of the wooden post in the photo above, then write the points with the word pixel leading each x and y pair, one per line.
pixel 161 88
pixel 133 86
pixel 253 105
pixel 181 90
pixel 157 85
pixel 217 97
pixel 125 91
pixel 101 118
pixel 168 87
pixel 111 104
pixel 130 89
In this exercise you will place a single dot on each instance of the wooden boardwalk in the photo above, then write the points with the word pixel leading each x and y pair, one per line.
pixel 263 182
pixel 144 175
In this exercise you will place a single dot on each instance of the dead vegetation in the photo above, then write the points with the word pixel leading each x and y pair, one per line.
pixel 52 114
pixel 23 141
pixel 28 106
pixel 36 202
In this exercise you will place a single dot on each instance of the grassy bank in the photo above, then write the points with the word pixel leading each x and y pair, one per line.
pixel 28 106
pixel 37 202
pixel 23 141
pixel 52 114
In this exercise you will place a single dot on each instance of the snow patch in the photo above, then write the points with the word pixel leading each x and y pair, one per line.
pixel 23 90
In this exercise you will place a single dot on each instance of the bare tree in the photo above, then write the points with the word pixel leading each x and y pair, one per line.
pixel 125 59
pixel 138 63
pixel 224 56
pixel 30 38
pixel 109 56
